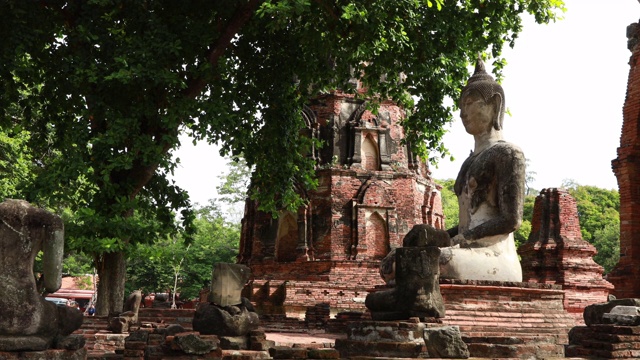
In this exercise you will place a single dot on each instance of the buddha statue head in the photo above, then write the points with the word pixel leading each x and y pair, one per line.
pixel 482 83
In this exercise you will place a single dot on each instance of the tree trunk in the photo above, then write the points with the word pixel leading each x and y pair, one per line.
pixel 111 278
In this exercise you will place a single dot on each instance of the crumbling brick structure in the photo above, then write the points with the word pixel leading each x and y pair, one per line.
pixel 626 275
pixel 372 190
pixel 555 253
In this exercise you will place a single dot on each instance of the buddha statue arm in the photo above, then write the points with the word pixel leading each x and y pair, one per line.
pixel 509 195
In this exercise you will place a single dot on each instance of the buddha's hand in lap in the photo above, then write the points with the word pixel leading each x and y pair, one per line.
pixel 460 241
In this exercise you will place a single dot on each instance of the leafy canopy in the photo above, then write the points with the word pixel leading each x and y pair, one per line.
pixel 105 87
pixel 117 81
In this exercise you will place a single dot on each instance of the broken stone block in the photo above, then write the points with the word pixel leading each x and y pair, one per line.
pixel 417 289
pixel 445 342
pixel 594 313
pixel 193 344
pixel 211 319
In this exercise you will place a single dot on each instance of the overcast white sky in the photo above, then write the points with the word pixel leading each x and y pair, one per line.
pixel 565 85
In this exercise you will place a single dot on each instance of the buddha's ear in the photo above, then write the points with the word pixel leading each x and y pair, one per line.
pixel 496 101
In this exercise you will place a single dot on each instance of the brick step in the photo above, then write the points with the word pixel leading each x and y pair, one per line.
pixel 101 355
pixel 556 338
pixel 518 351
pixel 503 309
pixel 578 351
pixel 349 348
pixel 246 354
pixel 515 339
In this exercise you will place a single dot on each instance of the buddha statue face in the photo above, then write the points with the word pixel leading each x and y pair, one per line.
pixel 478 115
pixel 482 86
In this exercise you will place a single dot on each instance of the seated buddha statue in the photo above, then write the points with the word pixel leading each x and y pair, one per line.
pixel 490 191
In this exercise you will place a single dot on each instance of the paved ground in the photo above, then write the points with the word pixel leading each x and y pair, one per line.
pixel 287 339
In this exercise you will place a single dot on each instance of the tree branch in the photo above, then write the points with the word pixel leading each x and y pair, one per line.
pixel 239 19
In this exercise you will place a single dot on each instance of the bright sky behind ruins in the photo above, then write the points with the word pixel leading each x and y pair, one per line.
pixel 565 85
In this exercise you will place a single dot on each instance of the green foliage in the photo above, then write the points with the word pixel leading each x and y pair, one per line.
pixel 155 265
pixel 105 88
pixel 522 234
pixel 77 264
pixel 16 163
pixel 598 210
pixel 607 241
pixel 530 177
pixel 235 183
pixel 449 203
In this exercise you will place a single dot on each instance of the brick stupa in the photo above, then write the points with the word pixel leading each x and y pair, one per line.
pixel 372 190
pixel 557 254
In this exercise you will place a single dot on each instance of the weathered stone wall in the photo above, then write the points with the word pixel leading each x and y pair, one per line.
pixel 626 275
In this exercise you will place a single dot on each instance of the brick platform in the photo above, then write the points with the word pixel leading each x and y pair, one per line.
pixel 605 342
pixel 508 320
pixel 51 354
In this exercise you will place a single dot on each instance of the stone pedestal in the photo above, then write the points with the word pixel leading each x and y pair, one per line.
pixel 392 339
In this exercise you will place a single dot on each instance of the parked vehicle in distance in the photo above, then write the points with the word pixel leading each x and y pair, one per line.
pixel 57 301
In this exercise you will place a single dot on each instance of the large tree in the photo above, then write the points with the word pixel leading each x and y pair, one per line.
pixel 112 83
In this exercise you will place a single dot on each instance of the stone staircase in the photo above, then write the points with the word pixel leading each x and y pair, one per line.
pixel 605 342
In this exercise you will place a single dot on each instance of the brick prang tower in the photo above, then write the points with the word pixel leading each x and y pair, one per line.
pixel 626 275
pixel 372 190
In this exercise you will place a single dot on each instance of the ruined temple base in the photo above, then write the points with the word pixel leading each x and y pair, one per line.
pixel 392 339
pixel 51 354
pixel 605 342
pixel 496 320
pixel 508 319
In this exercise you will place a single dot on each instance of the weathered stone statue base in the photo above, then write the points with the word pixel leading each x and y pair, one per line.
pixel 122 322
pixel 417 290
pixel 497 261
pixel 388 339
pixel 238 320
pixel 27 321
pixel 68 319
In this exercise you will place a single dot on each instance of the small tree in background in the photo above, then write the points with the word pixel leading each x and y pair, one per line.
pixel 182 266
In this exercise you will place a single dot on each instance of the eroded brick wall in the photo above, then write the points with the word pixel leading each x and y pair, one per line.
pixel 555 253
pixel 626 275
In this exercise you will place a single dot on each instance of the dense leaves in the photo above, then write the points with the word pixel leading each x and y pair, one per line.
pixel 106 87
pixel 450 206
pixel 155 267
pixel 598 210
pixel 16 163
